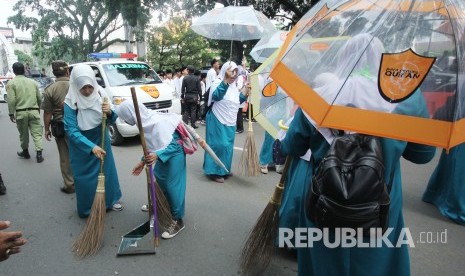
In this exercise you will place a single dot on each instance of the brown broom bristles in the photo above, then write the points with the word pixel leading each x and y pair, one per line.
pixel 90 239
pixel 163 208
pixel 259 247
pixel 249 165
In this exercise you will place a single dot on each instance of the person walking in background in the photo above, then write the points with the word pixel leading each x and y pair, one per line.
pixel 84 108
pixel 54 97
pixel 169 78
pixel 212 75
pixel 191 92
pixel 224 100
pixel 241 82
pixel 24 100
pixel 201 102
pixel 164 135
pixel 177 82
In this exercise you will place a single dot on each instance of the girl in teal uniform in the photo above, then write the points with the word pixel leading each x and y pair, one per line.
pixel 220 132
pixel 164 136
pixel 446 187
pixel 266 153
pixel 83 111
pixel 302 135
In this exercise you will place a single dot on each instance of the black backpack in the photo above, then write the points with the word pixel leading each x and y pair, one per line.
pixel 348 187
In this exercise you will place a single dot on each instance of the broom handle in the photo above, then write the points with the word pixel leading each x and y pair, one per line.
pixel 249 108
pixel 104 124
pixel 278 192
pixel 148 173
pixel 141 132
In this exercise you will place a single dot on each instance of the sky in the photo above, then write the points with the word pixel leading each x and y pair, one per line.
pixel 7 11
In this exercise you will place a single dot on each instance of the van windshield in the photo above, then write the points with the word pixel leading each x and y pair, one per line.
pixel 122 74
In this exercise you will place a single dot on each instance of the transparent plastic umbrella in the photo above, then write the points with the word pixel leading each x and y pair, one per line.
pixel 266 46
pixel 419 60
pixel 235 23
pixel 271 104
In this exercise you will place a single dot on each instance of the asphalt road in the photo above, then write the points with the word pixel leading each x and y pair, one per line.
pixel 218 218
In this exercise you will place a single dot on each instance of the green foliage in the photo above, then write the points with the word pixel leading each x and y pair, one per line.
pixel 79 27
pixel 175 44
pixel 23 57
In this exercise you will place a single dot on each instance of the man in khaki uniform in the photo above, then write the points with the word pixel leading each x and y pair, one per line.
pixel 54 96
pixel 23 105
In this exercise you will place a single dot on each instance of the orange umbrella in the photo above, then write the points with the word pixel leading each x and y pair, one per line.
pixel 410 67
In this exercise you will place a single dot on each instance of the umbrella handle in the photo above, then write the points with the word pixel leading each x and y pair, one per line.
pixel 282 125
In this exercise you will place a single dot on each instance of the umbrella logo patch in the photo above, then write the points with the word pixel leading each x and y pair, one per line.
pixel 401 74
pixel 151 90
pixel 270 89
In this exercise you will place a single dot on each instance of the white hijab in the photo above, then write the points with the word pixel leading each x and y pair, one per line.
pixel 358 79
pixel 89 113
pixel 158 127
pixel 225 110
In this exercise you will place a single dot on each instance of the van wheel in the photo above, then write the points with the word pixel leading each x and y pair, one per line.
pixel 5 98
pixel 115 137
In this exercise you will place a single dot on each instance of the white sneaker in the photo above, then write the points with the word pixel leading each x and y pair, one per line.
pixel 264 169
pixel 279 168
pixel 144 208
pixel 117 207
pixel 175 227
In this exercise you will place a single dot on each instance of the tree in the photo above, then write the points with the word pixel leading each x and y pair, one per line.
pixel 175 44
pixel 23 57
pixel 82 25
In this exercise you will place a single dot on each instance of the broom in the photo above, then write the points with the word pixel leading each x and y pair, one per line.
pixel 260 246
pixel 90 239
pixel 249 164
pixel 162 205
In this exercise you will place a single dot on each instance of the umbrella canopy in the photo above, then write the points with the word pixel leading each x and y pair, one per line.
pixel 266 46
pixel 395 65
pixel 270 103
pixel 233 23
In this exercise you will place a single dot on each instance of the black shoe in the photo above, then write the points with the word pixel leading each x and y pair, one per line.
pixel 39 157
pixel 68 190
pixel 239 131
pixel 194 127
pixel 2 186
pixel 24 154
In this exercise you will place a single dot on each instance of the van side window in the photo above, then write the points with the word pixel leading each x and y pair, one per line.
pixel 98 77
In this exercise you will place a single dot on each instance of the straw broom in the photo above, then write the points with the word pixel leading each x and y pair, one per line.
pixel 162 204
pixel 260 246
pixel 90 239
pixel 249 164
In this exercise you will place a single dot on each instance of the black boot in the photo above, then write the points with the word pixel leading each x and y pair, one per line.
pixel 2 186
pixel 39 157
pixel 24 154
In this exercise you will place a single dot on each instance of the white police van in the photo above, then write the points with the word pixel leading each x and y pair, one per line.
pixel 118 76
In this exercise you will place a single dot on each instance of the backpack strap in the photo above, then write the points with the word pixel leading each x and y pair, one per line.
pixel 391 178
